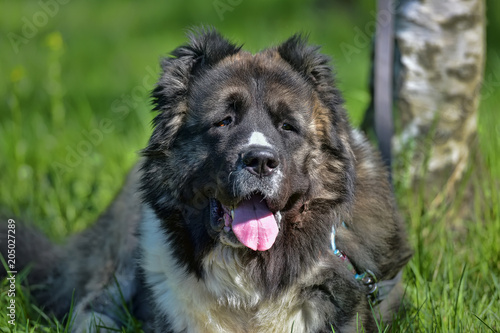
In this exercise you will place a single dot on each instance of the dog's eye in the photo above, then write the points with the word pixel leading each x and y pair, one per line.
pixel 226 121
pixel 287 127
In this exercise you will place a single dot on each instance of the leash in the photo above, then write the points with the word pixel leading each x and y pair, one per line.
pixel 383 85
pixel 376 291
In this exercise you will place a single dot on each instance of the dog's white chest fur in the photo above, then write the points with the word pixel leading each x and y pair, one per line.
pixel 224 301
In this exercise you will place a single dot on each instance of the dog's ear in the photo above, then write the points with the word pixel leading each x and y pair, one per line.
pixel 205 49
pixel 307 60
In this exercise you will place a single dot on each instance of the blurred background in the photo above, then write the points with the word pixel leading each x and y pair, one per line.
pixel 75 107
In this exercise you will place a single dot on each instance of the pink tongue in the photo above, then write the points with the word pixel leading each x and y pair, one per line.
pixel 254 224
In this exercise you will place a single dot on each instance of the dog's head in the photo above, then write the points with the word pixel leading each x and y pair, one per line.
pixel 244 141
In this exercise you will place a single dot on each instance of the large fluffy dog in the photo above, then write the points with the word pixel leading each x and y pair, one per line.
pixel 263 210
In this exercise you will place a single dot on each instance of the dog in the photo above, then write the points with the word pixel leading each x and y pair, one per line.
pixel 256 207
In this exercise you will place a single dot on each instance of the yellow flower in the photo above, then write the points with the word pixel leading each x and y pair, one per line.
pixel 17 73
pixel 55 41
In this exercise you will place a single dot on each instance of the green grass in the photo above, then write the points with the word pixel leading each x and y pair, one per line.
pixel 75 111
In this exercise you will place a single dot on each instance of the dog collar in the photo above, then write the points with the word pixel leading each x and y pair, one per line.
pixel 376 291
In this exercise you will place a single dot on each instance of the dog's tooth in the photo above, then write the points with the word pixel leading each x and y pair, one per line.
pixel 232 214
pixel 227 229
pixel 277 216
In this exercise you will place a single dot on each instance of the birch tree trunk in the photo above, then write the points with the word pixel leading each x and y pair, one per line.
pixel 442 50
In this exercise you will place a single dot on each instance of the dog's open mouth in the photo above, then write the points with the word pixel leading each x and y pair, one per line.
pixel 251 221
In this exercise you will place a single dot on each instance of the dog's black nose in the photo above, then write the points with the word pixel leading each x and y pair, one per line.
pixel 260 161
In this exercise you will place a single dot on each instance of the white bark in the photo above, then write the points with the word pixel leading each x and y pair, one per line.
pixel 442 45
